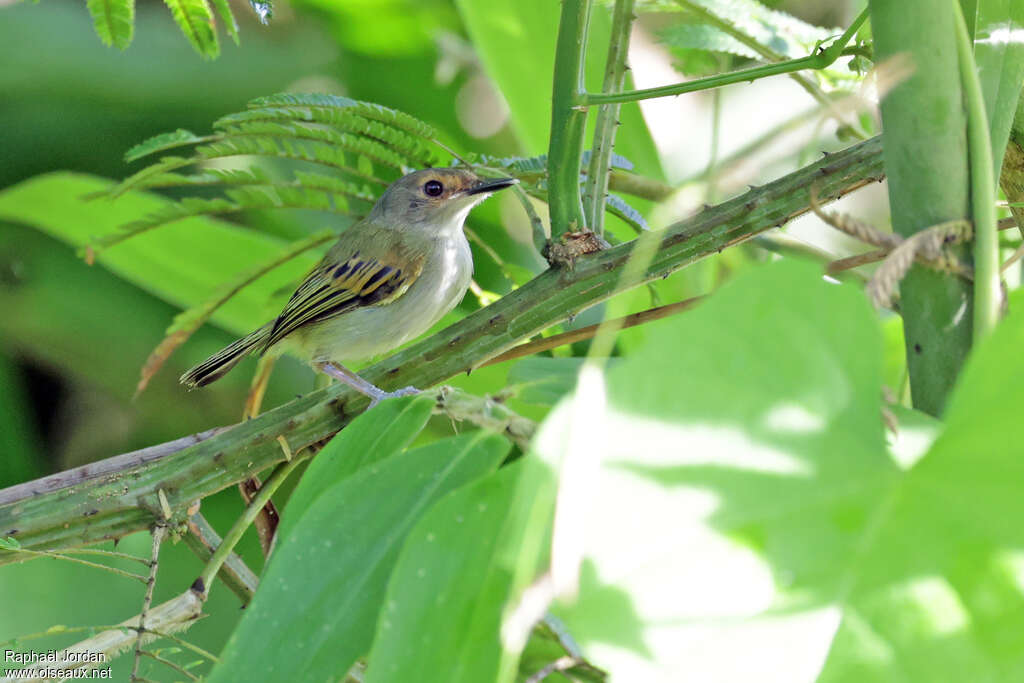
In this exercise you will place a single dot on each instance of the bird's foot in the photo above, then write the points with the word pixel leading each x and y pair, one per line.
pixel 381 395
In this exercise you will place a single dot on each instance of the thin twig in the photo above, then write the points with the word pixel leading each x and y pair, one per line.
pixel 588 332
pixel 175 614
pixel 1014 257
pixel 266 522
pixel 856 260
pixel 187 645
pixel 158 536
pixel 202 584
pixel 112 554
pixel 203 540
pixel 487 412
pixel 560 664
pixel 595 185
pixel 166 662
pixel 87 563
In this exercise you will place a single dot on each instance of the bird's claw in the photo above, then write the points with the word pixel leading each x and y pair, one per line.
pixel 404 391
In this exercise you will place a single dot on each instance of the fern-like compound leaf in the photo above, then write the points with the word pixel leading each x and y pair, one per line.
pixel 196 21
pixel 617 206
pixel 114 21
pixel 161 143
pixel 320 101
pixel 228 17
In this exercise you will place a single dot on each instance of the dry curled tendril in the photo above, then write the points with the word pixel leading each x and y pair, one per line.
pixel 573 245
pixel 929 247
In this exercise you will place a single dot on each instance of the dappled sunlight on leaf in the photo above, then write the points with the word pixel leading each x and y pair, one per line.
pixel 746 502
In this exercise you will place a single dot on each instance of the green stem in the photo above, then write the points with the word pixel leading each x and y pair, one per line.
pixel 823 58
pixel 639 185
pixel 250 513
pixel 117 496
pixel 595 187
pixel 568 122
pixel 712 170
pixel 203 540
pixel 1011 177
pixel 983 188
pixel 727 27
pixel 925 128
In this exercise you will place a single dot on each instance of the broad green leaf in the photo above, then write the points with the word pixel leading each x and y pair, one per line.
pixel 317 606
pixel 543 380
pixel 516 43
pixel 733 425
pixel 114 21
pixel 184 263
pixel 999 53
pixel 441 619
pixel 894 364
pixel 386 429
pixel 196 22
pixel 735 495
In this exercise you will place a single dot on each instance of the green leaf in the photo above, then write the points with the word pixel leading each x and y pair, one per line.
pixel 544 380
pixel 183 264
pixel 160 143
pixel 316 609
pixel 114 21
pixel 386 429
pixel 744 500
pixel 710 452
pixel 228 17
pixel 311 102
pixel 999 54
pixel 238 199
pixel 781 32
pixel 397 150
pixel 9 543
pixel 350 136
pixel 617 206
pixel 442 613
pixel 701 50
pixel 196 22
pixel 687 36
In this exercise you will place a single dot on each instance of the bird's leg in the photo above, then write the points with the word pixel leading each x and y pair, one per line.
pixel 376 394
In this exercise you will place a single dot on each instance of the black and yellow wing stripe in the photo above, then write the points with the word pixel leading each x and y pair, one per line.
pixel 333 288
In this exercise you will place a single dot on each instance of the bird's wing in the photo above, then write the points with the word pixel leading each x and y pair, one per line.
pixel 348 278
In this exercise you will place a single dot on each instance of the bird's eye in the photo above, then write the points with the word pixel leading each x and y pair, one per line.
pixel 433 188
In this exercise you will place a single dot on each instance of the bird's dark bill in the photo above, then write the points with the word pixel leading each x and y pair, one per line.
pixel 492 185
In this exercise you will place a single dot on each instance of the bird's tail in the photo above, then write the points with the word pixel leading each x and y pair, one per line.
pixel 218 365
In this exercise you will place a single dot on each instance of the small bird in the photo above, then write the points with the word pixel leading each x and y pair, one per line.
pixel 386 280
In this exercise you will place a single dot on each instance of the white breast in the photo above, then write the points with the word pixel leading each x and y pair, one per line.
pixel 371 331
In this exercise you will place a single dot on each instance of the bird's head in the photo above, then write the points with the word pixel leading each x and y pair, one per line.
pixel 434 199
